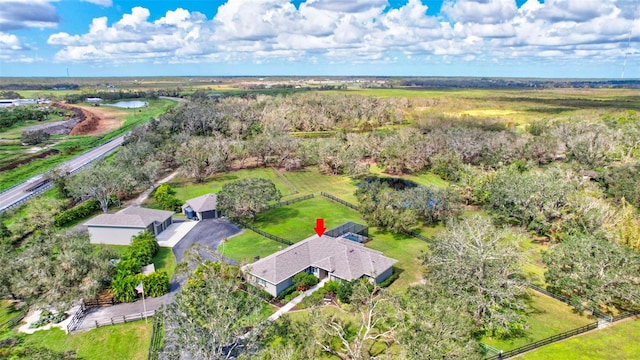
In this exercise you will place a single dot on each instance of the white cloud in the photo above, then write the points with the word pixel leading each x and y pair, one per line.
pixel 480 11
pixel 19 14
pixel 359 31
pixel 13 50
pixel 105 3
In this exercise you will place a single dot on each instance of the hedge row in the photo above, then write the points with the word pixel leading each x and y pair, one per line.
pixel 127 273
pixel 79 212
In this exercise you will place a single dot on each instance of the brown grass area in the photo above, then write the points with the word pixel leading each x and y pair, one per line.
pixel 95 120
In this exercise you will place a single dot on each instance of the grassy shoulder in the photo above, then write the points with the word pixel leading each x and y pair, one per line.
pixel 122 341
pixel 546 317
pixel 619 341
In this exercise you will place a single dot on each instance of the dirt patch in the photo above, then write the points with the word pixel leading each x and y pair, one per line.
pixel 42 155
pixel 94 121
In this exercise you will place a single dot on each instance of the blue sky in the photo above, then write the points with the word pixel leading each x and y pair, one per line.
pixel 512 38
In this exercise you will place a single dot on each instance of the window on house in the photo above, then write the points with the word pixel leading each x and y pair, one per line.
pixel 261 282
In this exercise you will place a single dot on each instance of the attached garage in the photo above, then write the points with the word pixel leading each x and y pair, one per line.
pixel 119 228
pixel 202 207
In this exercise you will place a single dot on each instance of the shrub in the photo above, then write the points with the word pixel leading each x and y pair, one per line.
pixel 143 247
pixel 291 296
pixel 332 286
pixel 34 137
pixel 124 289
pixel 156 284
pixel 127 267
pixel 286 292
pixel 78 212
pixel 345 291
pixel 264 295
pixel 302 281
pixel 388 281
pixel 166 200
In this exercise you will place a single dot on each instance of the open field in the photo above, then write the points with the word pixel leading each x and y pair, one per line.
pixel 546 317
pixel 122 341
pixel 514 107
pixel 619 341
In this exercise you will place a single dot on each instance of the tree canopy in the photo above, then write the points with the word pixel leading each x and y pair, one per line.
pixel 245 198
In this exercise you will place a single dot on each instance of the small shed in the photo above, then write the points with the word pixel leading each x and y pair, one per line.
pixel 202 207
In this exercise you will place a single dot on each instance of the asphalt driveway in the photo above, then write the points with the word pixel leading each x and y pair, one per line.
pixel 209 232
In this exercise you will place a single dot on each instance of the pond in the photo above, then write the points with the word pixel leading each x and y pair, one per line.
pixel 394 183
pixel 134 104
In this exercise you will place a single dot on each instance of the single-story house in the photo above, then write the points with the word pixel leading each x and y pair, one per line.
pixel 202 207
pixel 337 258
pixel 119 228
pixel 93 100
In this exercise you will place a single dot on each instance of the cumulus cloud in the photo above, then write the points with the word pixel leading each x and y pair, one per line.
pixel 19 14
pixel 359 31
pixel 12 49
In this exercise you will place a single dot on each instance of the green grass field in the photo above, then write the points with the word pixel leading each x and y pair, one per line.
pixel 185 189
pixel 620 341
pixel 123 341
pixel 310 181
pixel 7 311
pixel 546 317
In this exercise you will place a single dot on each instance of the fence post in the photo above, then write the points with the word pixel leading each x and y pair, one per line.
pixel 97 326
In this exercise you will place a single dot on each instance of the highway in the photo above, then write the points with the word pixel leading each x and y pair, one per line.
pixel 18 194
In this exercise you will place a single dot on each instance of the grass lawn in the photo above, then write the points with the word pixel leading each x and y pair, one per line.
pixel 123 341
pixel 185 189
pixel 165 260
pixel 312 181
pixel 294 222
pixel 619 341
pixel 546 317
pixel 7 312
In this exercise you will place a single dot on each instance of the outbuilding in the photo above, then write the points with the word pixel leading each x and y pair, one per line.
pixel 119 228
pixel 202 207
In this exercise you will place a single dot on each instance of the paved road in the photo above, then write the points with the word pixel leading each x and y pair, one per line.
pixel 17 194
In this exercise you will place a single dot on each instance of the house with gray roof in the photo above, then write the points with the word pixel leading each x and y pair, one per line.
pixel 119 228
pixel 202 207
pixel 337 258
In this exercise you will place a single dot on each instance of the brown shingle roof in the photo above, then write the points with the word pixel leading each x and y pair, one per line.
pixel 345 259
pixel 135 217
pixel 202 203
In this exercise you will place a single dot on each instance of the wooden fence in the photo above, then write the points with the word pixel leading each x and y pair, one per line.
pixel 75 319
pixel 14 320
pixel 101 302
pixel 124 319
pixel 157 337
pixel 543 342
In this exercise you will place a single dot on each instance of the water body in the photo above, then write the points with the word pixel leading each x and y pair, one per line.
pixel 394 183
pixel 129 104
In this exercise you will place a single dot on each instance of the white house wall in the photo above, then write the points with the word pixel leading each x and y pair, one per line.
pixel 112 235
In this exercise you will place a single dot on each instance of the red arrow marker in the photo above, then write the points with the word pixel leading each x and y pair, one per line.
pixel 319 227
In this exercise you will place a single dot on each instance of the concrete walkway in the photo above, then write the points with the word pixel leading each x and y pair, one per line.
pixel 175 232
pixel 295 301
